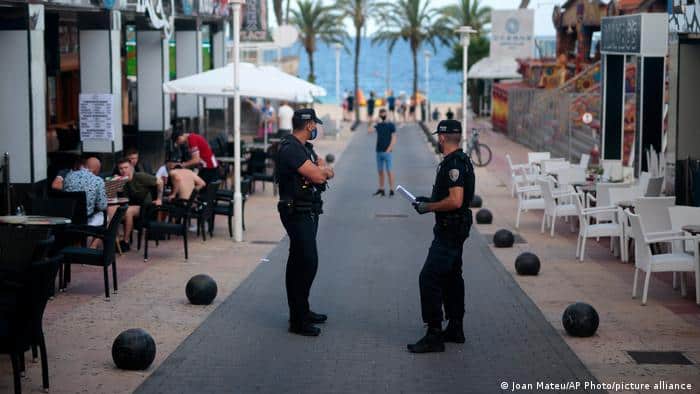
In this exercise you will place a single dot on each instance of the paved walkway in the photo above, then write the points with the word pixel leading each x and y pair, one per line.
pixel 371 250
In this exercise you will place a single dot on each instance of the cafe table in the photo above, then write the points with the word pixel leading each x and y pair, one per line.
pixel 34 220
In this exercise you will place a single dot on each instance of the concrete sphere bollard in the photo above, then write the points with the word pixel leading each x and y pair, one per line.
pixel 527 264
pixel 484 216
pixel 503 239
pixel 134 350
pixel 580 320
pixel 201 289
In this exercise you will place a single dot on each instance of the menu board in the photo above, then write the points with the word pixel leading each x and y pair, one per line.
pixel 96 116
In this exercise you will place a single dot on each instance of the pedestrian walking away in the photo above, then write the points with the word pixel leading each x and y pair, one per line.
pixel 391 104
pixel 440 280
pixel 370 108
pixel 386 139
pixel 302 177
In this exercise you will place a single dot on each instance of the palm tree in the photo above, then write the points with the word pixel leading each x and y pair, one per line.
pixel 277 8
pixel 317 22
pixel 357 11
pixel 411 21
pixel 465 13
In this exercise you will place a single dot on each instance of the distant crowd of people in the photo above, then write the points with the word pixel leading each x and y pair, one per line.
pixel 399 109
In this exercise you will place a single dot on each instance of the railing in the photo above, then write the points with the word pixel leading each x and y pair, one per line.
pixel 552 120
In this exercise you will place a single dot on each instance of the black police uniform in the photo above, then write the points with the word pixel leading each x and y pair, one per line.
pixel 299 207
pixel 441 277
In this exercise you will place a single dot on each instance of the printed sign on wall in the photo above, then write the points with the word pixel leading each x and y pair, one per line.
pixel 254 21
pixel 96 116
pixel 512 33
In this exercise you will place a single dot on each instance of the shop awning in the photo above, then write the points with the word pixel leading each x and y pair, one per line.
pixel 265 82
pixel 495 68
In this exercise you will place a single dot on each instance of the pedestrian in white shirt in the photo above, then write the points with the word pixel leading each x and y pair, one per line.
pixel 284 119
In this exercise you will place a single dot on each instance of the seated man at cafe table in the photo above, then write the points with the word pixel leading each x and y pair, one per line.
pixel 138 190
pixel 184 182
pixel 133 156
pixel 83 179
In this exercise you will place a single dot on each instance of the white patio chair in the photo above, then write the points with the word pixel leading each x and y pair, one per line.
pixel 602 199
pixel 585 160
pixel 555 204
pixel 615 195
pixel 665 262
pixel 529 198
pixel 643 183
pixel 681 216
pixel 536 157
pixel 515 176
pixel 571 175
pixel 654 187
pixel 597 230
pixel 612 169
pixel 552 165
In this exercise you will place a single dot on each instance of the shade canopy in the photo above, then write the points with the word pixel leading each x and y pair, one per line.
pixel 265 82
pixel 495 68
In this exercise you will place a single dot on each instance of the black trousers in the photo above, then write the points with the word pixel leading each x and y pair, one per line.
pixel 441 281
pixel 209 175
pixel 302 263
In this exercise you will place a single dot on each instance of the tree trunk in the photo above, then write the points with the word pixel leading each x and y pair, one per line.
pixel 277 6
pixel 524 3
pixel 356 71
pixel 312 75
pixel 414 53
pixel 286 13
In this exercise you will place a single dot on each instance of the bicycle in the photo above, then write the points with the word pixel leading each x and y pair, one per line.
pixel 483 152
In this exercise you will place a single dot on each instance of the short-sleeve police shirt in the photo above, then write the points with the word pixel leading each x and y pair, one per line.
pixel 291 156
pixel 453 172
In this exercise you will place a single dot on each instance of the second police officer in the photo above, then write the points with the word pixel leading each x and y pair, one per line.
pixel 440 280
pixel 302 177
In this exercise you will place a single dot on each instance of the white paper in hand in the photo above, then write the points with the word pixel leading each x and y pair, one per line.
pixel 407 195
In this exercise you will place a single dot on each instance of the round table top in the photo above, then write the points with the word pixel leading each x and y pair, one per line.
pixel 625 204
pixel 117 201
pixel 692 228
pixel 34 220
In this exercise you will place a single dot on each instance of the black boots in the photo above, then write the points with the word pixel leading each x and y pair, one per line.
pixel 431 342
pixel 379 192
pixel 316 318
pixel 453 333
pixel 305 329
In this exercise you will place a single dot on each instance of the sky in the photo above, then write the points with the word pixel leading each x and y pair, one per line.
pixel 543 12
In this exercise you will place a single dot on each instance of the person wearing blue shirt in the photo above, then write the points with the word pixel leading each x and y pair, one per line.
pixel 386 138
pixel 85 180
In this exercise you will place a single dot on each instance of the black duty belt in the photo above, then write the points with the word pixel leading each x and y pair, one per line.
pixel 295 206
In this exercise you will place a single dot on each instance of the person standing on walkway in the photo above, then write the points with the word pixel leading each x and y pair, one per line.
pixel 391 103
pixel 386 138
pixel 302 177
pixel 284 119
pixel 370 109
pixel 441 281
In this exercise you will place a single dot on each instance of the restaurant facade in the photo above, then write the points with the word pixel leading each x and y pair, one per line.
pixel 85 77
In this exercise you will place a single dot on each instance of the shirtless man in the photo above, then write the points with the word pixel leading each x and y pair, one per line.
pixel 184 182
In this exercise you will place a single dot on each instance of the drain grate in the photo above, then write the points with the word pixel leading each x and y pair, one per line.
pixel 668 358
pixel 518 238
pixel 390 215
pixel 265 242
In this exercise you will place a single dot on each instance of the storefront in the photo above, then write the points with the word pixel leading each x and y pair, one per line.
pixel 56 51
pixel 684 87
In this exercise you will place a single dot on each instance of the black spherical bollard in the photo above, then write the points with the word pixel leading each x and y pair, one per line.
pixel 503 239
pixel 527 264
pixel 484 216
pixel 330 158
pixel 134 350
pixel 580 320
pixel 476 202
pixel 201 289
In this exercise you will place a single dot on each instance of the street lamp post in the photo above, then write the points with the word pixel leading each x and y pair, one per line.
pixel 237 196
pixel 337 47
pixel 465 32
pixel 426 54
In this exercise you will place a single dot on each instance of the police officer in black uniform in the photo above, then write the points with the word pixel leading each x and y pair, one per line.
pixel 440 279
pixel 302 177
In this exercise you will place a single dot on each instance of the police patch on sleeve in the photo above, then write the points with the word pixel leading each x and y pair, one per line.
pixel 454 174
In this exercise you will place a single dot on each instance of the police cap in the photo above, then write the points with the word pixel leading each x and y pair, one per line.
pixel 304 114
pixel 449 126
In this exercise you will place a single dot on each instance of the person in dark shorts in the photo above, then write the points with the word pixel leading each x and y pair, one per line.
pixel 391 104
pixel 386 138
pixel 449 114
pixel 370 108
pixel 351 103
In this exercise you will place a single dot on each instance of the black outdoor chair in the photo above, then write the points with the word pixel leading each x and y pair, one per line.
pixel 204 209
pixel 97 257
pixel 224 203
pixel 177 222
pixel 258 169
pixel 26 279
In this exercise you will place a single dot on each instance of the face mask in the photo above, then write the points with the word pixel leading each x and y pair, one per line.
pixel 314 133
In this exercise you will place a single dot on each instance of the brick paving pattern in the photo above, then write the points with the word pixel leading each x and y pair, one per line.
pixel 370 257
